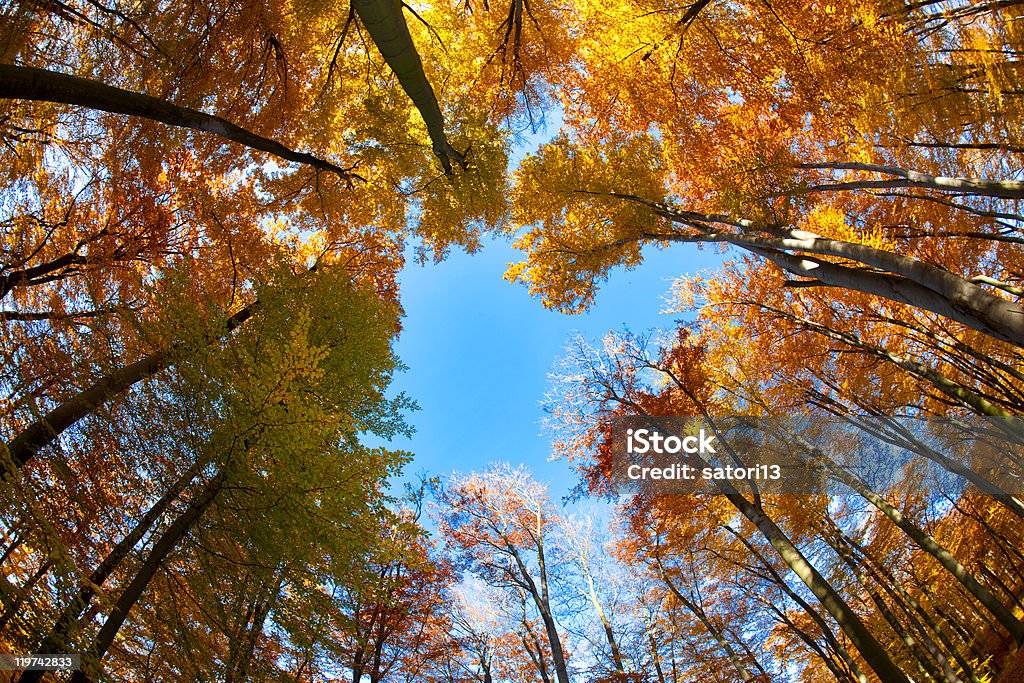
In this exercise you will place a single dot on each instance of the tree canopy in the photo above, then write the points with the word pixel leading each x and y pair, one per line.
pixel 204 208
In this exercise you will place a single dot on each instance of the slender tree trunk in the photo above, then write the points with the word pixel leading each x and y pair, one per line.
pixel 895 433
pixel 28 83
pixel 827 659
pixel 907 440
pixel 41 273
pixel 357 667
pixel 534 650
pixel 1003 189
pixel 384 21
pixel 716 633
pixel 1010 593
pixel 603 618
pixel 540 599
pixel 544 605
pixel 954 390
pixel 36 436
pixel 923 621
pixel 920 644
pixel 968 639
pixel 168 541
pixel 9 550
pixel 56 641
pixel 868 646
pixel 22 593
pixel 240 658
pixel 823 626
pixel 655 657
pixel 652 641
pixel 904 279
pixel 1002 320
pixel 870 649
pixel 924 540
pixel 45 430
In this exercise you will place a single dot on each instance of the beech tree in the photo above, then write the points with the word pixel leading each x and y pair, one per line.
pixel 276 411
pixel 870 199
pixel 907 526
pixel 498 523
pixel 203 209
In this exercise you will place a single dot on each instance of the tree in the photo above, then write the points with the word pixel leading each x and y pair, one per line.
pixel 269 163
pixel 498 523
pixel 283 404
pixel 393 616
pixel 594 578
pixel 76 232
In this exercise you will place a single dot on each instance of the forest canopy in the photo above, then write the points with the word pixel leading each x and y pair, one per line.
pixel 204 209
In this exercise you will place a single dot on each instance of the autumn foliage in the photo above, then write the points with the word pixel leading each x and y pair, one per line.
pixel 203 211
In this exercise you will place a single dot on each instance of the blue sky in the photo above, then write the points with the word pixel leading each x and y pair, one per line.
pixel 479 350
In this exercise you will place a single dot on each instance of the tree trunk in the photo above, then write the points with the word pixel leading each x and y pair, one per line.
pixel 41 273
pixel 1003 189
pixel 46 429
pixel 970 306
pixel 823 626
pixel 905 439
pixel 931 659
pixel 603 618
pixel 22 593
pixel 557 655
pixel 534 650
pixel 868 646
pixel 921 619
pixel 384 21
pixel 540 599
pixel 924 540
pixel 56 641
pixel 241 655
pixel 904 279
pixel 716 633
pixel 133 591
pixel 28 83
pixel 870 649
pixel 954 390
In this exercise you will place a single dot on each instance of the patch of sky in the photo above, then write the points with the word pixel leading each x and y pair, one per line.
pixel 479 350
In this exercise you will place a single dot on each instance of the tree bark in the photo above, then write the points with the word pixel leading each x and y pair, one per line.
pixel 953 297
pixel 29 83
pixel 168 541
pixel 953 389
pixel 609 633
pixel 384 21
pixel 921 618
pixel 22 592
pixel 41 433
pixel 931 659
pixel 868 646
pixel 243 647
pixel 40 273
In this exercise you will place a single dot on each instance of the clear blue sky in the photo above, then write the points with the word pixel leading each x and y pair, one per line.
pixel 479 351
